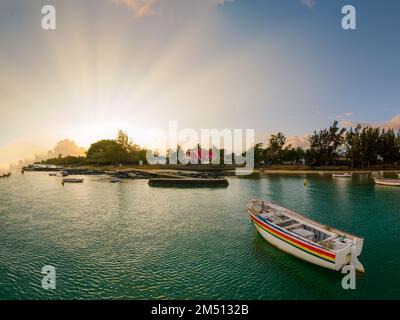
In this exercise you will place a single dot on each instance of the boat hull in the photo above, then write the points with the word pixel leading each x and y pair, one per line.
pixel 72 181
pixel 325 246
pixel 388 182
pixel 295 248
pixel 341 175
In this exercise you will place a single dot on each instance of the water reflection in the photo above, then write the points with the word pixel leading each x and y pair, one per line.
pixel 127 240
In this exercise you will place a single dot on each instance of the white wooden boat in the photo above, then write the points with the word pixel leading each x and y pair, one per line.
pixel 305 238
pixel 341 175
pixel 387 182
pixel 72 180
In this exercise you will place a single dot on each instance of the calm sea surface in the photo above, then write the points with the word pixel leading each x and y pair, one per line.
pixel 130 241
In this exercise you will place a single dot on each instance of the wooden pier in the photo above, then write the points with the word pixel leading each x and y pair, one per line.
pixel 157 173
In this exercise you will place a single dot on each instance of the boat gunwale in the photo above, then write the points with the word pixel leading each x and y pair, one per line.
pixel 300 238
pixel 341 175
pixel 388 180
pixel 310 221
pixel 73 180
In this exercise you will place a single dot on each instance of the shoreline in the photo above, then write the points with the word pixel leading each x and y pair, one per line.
pixel 327 171
pixel 215 169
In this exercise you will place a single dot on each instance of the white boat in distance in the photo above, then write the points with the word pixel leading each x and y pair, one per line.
pixel 387 182
pixel 341 175
pixel 72 180
pixel 305 238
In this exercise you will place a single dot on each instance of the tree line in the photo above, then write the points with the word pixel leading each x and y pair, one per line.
pixel 359 147
pixel 121 150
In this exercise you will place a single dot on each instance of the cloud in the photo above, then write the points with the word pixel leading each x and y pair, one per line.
pixel 298 141
pixel 142 8
pixel 22 153
pixel 348 114
pixel 19 151
pixel 66 148
pixel 309 3
pixel 393 123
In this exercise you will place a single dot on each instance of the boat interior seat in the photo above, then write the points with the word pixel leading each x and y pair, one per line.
pixel 293 226
pixel 265 217
pixel 328 239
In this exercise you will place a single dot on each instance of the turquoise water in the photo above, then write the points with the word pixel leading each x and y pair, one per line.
pixel 130 241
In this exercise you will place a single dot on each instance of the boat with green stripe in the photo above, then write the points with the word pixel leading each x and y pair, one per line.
pixel 304 238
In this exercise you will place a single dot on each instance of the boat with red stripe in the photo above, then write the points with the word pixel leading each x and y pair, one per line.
pixel 304 238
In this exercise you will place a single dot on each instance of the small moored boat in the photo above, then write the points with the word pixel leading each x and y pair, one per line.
pixel 72 180
pixel 6 175
pixel 341 175
pixel 387 182
pixel 305 238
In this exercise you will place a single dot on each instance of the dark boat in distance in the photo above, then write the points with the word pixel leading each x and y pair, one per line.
pixel 189 183
pixel 72 180
pixel 6 175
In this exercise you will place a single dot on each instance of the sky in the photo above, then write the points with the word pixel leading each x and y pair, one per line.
pixel 135 65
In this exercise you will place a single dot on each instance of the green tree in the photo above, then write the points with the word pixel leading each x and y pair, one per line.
pixel 370 138
pixel 326 144
pixel 106 152
pixel 388 148
pixel 258 153
pixel 352 143
pixel 275 148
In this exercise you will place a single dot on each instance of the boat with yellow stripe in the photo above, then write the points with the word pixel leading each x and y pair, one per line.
pixel 305 238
